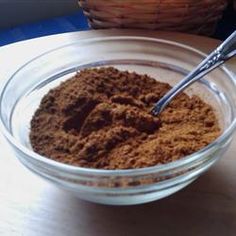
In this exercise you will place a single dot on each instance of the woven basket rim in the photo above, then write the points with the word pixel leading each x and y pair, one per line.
pixel 155 14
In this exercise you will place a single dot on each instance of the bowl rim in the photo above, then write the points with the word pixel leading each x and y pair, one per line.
pixel 118 172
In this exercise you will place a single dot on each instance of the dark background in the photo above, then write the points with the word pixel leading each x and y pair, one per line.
pixel 227 24
pixel 64 16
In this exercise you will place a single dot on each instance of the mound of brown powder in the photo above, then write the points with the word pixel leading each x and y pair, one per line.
pixel 101 119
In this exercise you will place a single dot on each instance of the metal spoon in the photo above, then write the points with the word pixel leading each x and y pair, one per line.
pixel 221 54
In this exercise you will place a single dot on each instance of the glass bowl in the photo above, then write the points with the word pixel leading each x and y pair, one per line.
pixel 164 60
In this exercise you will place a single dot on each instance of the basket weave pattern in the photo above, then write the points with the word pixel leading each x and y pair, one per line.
pixel 194 16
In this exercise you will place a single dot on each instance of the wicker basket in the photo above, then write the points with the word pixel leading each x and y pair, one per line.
pixel 194 16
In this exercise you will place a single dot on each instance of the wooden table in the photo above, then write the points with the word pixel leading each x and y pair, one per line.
pixel 30 206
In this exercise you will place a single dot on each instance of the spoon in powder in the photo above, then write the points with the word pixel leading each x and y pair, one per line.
pixel 221 54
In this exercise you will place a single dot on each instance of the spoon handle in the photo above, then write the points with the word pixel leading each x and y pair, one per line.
pixel 222 53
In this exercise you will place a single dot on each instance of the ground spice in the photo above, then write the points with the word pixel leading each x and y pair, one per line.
pixel 101 119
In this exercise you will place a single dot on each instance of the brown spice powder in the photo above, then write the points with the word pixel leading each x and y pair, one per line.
pixel 101 119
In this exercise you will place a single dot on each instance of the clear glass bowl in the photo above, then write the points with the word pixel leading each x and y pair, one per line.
pixel 164 60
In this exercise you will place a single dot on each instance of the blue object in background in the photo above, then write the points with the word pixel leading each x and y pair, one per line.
pixel 74 22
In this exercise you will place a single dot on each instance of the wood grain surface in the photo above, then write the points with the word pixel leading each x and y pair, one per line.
pixel 29 206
